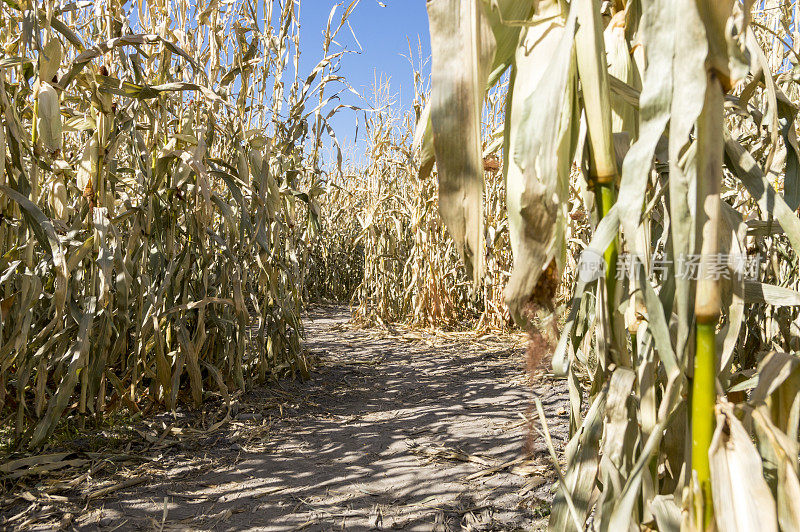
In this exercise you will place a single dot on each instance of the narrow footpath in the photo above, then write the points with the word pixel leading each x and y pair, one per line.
pixel 406 430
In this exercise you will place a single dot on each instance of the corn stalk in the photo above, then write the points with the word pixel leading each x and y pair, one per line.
pixel 669 440
pixel 149 240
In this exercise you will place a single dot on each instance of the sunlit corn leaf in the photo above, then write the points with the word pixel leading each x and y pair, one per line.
pixel 655 103
pixel 732 242
pixel 620 434
pixel 593 71
pixel 667 514
pixel 623 512
pixel 780 118
pixel 506 18
pixel 462 47
pixel 544 128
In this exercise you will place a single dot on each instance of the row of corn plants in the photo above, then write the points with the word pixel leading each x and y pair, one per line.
pixel 383 246
pixel 678 353
pixel 151 240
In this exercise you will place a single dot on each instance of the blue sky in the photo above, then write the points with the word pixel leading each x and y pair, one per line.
pixel 384 34
pixel 381 33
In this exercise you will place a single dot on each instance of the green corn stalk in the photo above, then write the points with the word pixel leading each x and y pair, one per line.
pixel 593 73
pixel 707 297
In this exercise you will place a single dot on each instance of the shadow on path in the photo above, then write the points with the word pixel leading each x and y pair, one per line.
pixel 389 433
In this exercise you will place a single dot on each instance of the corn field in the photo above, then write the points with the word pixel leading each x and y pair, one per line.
pixel 153 223
pixel 383 246
pixel 681 118
pixel 621 179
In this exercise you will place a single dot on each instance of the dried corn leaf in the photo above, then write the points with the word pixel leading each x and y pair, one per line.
pixel 582 466
pixel 778 452
pixel 49 118
pixel 655 103
pixel 746 169
pixel 544 127
pixel 742 499
pixel 462 47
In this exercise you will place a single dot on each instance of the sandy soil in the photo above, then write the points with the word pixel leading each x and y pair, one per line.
pixel 413 431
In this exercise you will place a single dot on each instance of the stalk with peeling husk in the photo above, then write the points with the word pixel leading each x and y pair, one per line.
pixel 603 173
pixel 707 295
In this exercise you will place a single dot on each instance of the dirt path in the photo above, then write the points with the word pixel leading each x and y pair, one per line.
pixel 392 432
